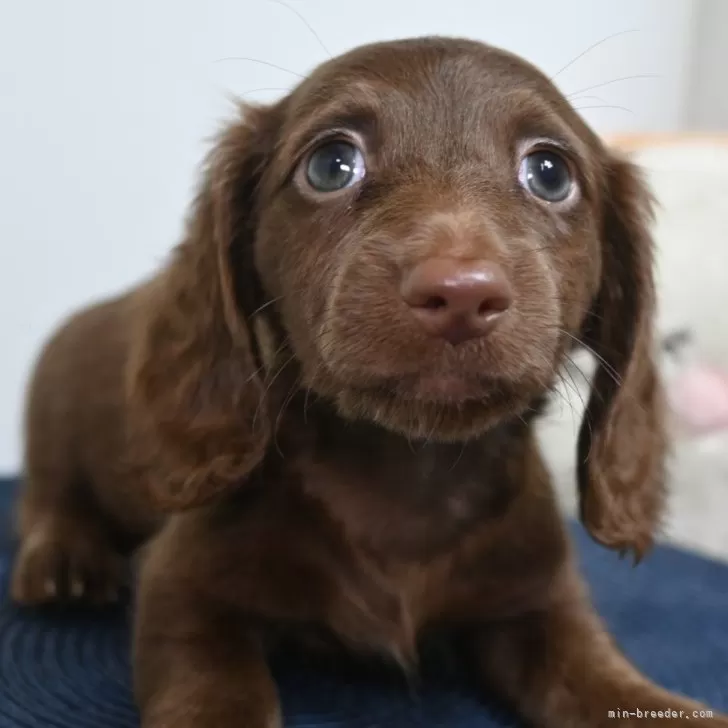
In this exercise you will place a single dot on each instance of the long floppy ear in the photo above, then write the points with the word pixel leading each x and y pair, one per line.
pixel 198 420
pixel 622 443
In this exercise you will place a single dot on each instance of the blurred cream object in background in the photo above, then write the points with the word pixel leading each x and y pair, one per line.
pixel 689 175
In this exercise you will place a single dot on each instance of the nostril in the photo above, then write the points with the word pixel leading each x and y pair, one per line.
pixel 493 305
pixel 435 303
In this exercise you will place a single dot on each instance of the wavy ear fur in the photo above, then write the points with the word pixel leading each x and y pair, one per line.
pixel 195 395
pixel 622 443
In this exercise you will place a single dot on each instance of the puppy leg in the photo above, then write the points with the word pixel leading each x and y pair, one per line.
pixel 561 670
pixel 64 552
pixel 196 665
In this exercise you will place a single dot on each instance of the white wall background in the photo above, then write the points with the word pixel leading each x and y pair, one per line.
pixel 105 106
pixel 707 103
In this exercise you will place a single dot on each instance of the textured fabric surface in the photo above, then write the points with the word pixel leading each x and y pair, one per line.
pixel 71 668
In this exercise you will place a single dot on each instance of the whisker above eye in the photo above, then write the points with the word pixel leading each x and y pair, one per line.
pixel 591 97
pixel 263 63
pixel 304 21
pixel 265 88
pixel 604 106
pixel 614 80
pixel 592 47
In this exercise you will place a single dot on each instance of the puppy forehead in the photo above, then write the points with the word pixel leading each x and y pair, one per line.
pixel 426 67
pixel 437 87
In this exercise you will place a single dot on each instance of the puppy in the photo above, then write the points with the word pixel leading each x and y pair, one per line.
pixel 319 416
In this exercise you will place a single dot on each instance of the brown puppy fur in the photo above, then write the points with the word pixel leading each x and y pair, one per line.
pixel 298 452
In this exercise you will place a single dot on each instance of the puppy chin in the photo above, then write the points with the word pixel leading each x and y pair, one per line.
pixel 435 421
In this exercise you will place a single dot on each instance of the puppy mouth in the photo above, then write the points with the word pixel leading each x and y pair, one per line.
pixel 446 388
pixel 449 399
pixel 434 388
pixel 441 407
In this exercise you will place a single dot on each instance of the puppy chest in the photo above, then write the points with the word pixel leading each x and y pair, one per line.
pixel 376 554
pixel 386 609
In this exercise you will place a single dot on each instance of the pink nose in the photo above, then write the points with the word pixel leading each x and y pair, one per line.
pixel 457 300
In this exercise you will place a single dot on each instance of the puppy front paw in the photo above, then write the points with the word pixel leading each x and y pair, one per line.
pixel 65 562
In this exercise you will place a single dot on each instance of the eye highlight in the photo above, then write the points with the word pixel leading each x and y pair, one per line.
pixel 334 165
pixel 546 175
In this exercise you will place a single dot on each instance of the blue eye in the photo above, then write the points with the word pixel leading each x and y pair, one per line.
pixel 546 175
pixel 334 166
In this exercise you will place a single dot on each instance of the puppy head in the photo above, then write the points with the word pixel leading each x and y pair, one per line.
pixel 435 228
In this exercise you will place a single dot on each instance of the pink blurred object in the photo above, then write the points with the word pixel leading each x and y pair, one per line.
pixel 698 395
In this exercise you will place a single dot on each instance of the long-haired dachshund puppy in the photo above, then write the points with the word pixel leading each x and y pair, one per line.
pixel 319 415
